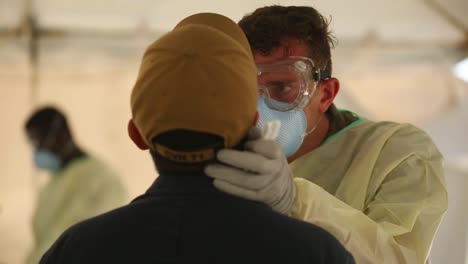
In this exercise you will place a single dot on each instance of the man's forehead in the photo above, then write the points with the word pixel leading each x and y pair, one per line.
pixel 34 137
pixel 288 47
pixel 34 132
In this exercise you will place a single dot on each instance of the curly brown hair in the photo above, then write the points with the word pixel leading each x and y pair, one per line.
pixel 267 26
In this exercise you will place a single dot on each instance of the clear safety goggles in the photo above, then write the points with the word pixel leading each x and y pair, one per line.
pixel 288 84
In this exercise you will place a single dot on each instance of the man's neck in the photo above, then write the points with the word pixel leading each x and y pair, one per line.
pixel 313 140
pixel 332 124
pixel 73 154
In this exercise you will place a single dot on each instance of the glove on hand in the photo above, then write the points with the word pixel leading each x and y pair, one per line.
pixel 260 173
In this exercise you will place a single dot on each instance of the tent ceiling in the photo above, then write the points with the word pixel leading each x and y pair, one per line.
pixel 10 13
pixel 398 20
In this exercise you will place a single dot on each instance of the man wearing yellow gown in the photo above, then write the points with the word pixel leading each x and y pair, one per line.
pixel 378 187
pixel 80 186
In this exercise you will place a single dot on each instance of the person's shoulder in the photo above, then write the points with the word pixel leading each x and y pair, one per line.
pixel 395 126
pixel 66 244
pixel 286 228
pixel 397 129
pixel 91 162
pixel 81 166
pixel 317 241
pixel 306 240
pixel 407 139
pixel 98 222
pixel 302 230
pixel 380 127
pixel 83 235
pixel 56 252
pixel 92 169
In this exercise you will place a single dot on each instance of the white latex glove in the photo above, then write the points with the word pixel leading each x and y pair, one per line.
pixel 260 173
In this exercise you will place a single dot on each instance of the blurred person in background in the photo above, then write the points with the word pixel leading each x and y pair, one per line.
pixel 196 93
pixel 80 185
pixel 376 186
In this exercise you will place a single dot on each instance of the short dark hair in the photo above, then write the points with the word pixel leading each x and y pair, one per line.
pixel 267 26
pixel 184 140
pixel 41 121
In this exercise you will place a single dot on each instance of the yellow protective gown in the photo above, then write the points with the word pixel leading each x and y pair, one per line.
pixel 378 188
pixel 85 188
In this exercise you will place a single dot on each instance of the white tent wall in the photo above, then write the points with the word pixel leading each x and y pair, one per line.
pixel 11 13
pixel 391 81
pixel 394 63
pixel 451 243
pixel 16 190
pixel 395 20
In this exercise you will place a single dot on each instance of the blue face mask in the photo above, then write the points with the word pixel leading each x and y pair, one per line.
pixel 47 160
pixel 293 126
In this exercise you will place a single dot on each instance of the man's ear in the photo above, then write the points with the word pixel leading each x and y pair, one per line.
pixel 329 91
pixel 136 137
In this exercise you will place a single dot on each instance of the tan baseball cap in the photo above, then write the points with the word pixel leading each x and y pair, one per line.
pixel 199 77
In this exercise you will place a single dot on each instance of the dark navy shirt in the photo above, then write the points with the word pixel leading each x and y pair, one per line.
pixel 184 219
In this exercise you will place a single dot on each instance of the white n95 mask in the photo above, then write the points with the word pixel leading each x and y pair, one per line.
pixel 292 130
